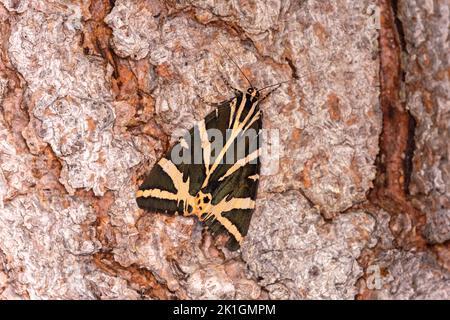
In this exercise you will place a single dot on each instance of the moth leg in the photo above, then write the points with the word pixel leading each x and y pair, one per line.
pixel 209 103
pixel 228 84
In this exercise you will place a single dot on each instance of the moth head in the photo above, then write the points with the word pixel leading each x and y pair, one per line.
pixel 254 94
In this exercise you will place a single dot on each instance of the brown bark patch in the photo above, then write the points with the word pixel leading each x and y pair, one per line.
pixel 396 141
pixel 139 278
pixel 320 32
pixel 164 71
pixel 333 107
pixel 442 252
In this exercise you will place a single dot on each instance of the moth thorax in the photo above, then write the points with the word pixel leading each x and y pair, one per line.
pixel 200 205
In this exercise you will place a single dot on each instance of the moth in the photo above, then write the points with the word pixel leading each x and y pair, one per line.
pixel 213 171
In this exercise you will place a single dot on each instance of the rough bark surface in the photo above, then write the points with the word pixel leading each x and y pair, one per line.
pixel 92 93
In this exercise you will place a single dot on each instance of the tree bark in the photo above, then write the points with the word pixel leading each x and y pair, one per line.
pixel 353 203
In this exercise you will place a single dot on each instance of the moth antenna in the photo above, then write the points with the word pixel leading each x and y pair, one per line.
pixel 229 56
pixel 269 93
pixel 273 85
pixel 297 78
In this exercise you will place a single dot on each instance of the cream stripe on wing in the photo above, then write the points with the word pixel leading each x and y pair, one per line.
pixel 238 203
pixel 225 206
pixel 181 186
pixel 157 193
pixel 240 163
pixel 231 228
pixel 205 144
pixel 239 112
pixel 250 114
pixel 233 203
pixel 232 110
pixel 255 117
pixel 237 127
